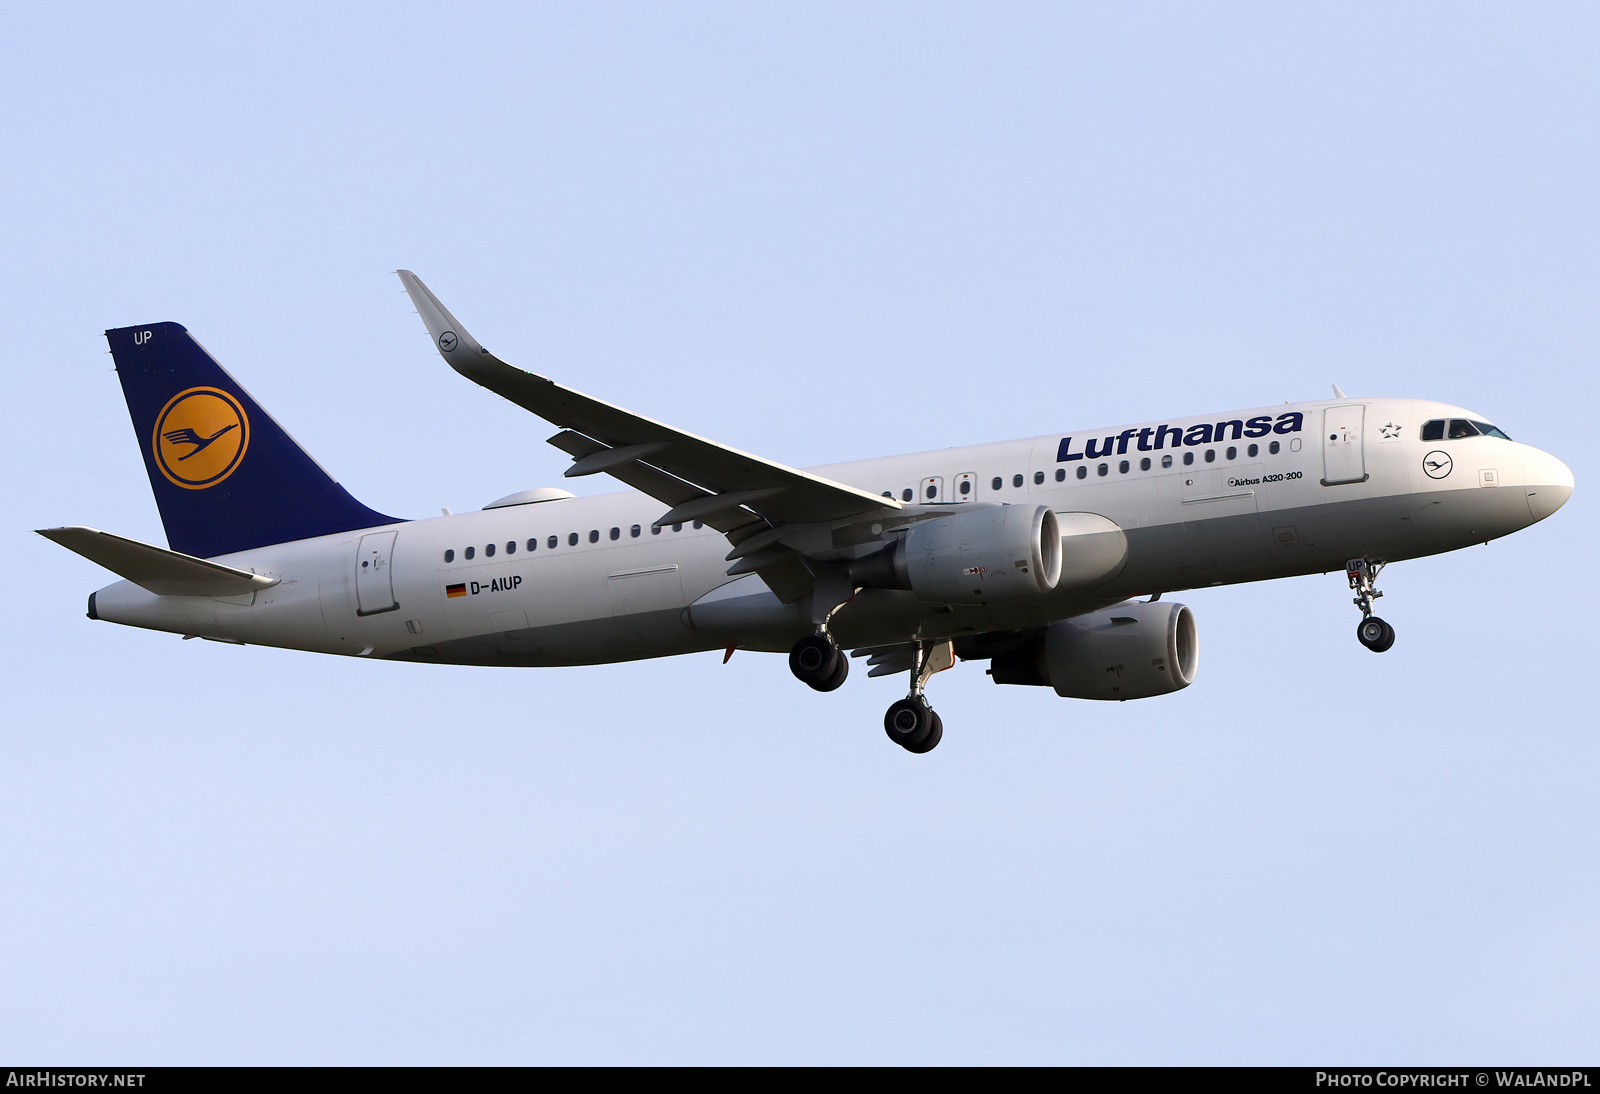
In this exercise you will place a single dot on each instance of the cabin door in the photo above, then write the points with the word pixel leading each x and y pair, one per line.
pixel 1342 460
pixel 374 582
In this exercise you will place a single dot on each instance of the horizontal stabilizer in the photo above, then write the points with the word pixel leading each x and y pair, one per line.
pixel 163 572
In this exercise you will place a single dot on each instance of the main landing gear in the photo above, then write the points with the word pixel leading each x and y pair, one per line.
pixel 911 723
pixel 1371 632
pixel 818 663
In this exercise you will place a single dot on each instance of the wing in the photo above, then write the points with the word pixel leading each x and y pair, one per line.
pixel 698 478
pixel 736 493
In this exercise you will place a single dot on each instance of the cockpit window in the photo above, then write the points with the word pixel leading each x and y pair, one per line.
pixel 1434 430
pixel 1490 431
pixel 1460 427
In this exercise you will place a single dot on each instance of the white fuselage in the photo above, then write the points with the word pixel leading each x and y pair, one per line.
pixel 469 588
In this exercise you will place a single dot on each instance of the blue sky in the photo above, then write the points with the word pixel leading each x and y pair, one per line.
pixel 816 232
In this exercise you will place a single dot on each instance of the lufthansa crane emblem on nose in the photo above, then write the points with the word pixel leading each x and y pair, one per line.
pixel 1437 464
pixel 447 341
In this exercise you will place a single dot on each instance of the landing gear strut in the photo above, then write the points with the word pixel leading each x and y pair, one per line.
pixel 911 723
pixel 818 663
pixel 1371 632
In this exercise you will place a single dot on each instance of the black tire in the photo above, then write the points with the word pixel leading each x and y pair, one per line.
pixel 908 722
pixel 931 741
pixel 813 660
pixel 837 677
pixel 1375 634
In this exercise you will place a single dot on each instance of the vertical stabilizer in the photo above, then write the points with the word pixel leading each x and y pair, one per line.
pixel 226 476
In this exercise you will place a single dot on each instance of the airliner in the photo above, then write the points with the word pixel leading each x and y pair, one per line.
pixel 1046 557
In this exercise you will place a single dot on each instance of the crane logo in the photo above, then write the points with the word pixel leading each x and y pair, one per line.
pixel 200 437
pixel 1437 464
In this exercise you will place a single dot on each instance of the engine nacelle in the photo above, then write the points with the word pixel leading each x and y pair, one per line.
pixel 979 556
pixel 1131 651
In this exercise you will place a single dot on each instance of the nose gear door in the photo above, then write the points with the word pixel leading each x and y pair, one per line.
pixel 374 583
pixel 1342 459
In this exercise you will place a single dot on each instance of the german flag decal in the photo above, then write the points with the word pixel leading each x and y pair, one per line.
pixel 456 590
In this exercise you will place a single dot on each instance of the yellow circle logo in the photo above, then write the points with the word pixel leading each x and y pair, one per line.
pixel 200 437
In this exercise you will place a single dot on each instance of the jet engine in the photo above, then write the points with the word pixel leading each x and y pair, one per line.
pixel 1131 651
pixel 980 556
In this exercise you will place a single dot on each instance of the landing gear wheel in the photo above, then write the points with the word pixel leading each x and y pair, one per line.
pixel 909 723
pixel 935 734
pixel 1375 634
pixel 840 671
pixel 815 661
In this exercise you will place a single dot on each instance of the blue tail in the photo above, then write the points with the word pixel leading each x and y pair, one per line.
pixel 226 476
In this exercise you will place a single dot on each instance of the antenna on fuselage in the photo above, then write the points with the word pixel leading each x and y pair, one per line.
pixel 1337 394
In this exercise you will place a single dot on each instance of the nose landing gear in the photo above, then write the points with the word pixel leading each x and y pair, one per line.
pixel 1371 632
pixel 911 723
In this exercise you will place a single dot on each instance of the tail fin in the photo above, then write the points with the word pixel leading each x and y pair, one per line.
pixel 226 476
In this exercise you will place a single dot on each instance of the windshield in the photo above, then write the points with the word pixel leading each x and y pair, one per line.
pixel 1490 431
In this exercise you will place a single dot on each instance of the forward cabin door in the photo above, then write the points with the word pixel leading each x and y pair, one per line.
pixel 374 582
pixel 1342 460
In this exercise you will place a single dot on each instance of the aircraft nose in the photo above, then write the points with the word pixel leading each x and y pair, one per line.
pixel 1549 483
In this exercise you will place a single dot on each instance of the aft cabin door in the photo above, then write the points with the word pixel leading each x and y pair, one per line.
pixel 374 583
pixel 1342 460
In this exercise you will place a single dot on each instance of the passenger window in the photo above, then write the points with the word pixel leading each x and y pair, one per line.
pixel 594 535
pixel 1211 455
pixel 1273 448
pixel 677 527
pixel 1083 472
pixel 699 524
pixel 533 545
pixel 1122 468
pixel 1038 477
pixel 996 483
pixel 1016 480
pixel 511 547
pixel 1253 451
pixel 1490 431
pixel 572 539
pixel 1460 428
pixel 1102 469
pixel 1434 430
pixel 634 531
pixel 933 491
pixel 1166 461
pixel 469 553
pixel 616 533
pixel 966 486
pixel 655 529
pixel 488 552
pixel 905 495
pixel 1233 453
pixel 553 542
pixel 450 556
pixel 1061 474
pixel 1188 458
pixel 1144 464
